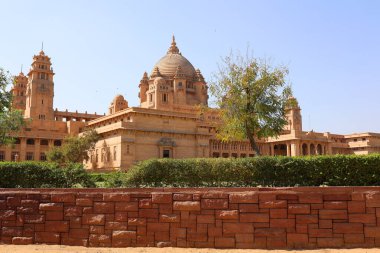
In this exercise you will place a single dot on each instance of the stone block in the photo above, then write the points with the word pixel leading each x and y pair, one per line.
pixel 227 214
pixel 51 207
pixel 224 242
pixel 234 228
pixel 22 240
pixel 298 209
pixel 93 219
pixel 187 205
pixel 126 206
pixel 116 197
pixel 123 235
pixel 57 226
pixel 47 237
pixel 249 197
pixel 214 203
pixel 162 198
pixel 63 197
pixel 333 214
pixel 254 217
pixel 104 207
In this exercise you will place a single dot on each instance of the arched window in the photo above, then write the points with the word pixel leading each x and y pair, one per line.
pixel 312 149
pixel 319 149
pixel 304 149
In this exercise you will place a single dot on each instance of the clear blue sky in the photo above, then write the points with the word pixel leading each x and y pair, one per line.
pixel 102 48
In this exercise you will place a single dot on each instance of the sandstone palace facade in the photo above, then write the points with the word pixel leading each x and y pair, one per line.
pixel 167 124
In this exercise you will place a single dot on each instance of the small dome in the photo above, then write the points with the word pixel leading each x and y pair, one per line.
pixel 118 97
pixel 159 81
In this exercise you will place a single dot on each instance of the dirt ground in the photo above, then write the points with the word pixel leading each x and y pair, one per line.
pixel 66 249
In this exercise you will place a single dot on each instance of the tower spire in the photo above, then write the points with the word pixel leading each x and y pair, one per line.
pixel 173 49
pixel 42 46
pixel 21 69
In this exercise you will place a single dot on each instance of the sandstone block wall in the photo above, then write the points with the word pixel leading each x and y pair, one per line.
pixel 215 218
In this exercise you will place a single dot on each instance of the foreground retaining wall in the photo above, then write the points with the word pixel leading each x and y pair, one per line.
pixel 221 218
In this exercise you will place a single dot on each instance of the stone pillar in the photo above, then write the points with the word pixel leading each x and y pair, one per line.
pixel 37 149
pixel 8 153
pixel 329 149
pixel 295 149
pixel 271 149
pixel 22 150
pixel 288 150
pixel 308 149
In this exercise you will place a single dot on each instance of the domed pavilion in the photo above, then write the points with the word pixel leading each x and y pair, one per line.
pixel 173 83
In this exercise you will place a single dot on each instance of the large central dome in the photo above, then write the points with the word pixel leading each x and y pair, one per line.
pixel 168 64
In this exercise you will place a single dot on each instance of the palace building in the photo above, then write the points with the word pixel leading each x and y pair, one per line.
pixel 168 123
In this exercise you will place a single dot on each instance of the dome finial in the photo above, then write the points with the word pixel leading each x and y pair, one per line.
pixel 173 49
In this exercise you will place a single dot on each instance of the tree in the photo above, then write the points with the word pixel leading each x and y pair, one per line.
pixel 252 97
pixel 74 149
pixel 11 121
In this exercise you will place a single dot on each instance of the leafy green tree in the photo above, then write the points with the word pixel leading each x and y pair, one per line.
pixel 74 148
pixel 11 121
pixel 252 97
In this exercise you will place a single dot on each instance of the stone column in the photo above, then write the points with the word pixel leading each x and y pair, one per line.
pixel 288 150
pixel 8 153
pixel 294 149
pixel 329 149
pixel 22 150
pixel 37 149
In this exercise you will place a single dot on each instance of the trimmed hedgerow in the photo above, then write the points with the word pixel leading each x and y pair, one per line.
pixel 43 175
pixel 109 179
pixel 340 170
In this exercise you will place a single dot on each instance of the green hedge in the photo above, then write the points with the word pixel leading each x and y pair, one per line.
pixel 109 179
pixel 337 170
pixel 211 172
pixel 43 175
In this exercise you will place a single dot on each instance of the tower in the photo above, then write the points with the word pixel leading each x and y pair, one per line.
pixel 19 92
pixel 40 89
pixel 144 86
pixel 118 103
pixel 294 115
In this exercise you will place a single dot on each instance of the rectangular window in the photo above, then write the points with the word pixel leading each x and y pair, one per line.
pixel 29 156
pixel 166 153
pixel 114 153
pixel 43 76
pixel 15 156
pixel 150 98
pixel 215 155
pixel 2 155
pixel 164 97
pixel 96 156
pixel 108 155
pixel 44 142
pixel 42 157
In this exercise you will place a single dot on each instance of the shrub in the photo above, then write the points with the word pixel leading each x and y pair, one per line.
pixel 43 175
pixel 109 179
pixel 340 170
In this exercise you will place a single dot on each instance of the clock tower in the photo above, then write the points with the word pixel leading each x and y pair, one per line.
pixel 40 89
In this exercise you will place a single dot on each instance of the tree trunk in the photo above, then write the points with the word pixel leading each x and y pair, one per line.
pixel 251 139
pixel 248 131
